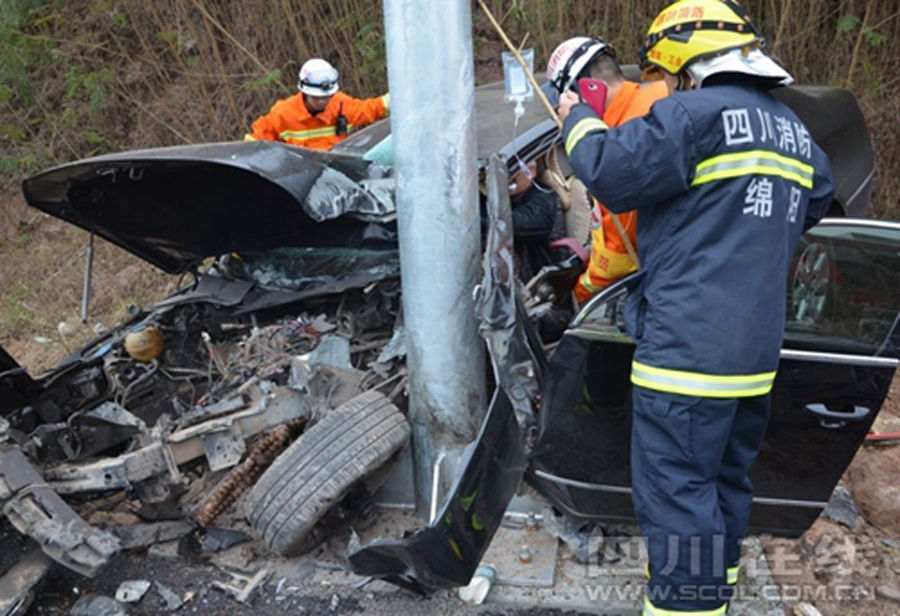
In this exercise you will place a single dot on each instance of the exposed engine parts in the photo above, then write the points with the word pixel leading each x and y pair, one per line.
pixel 247 472
pixel 181 383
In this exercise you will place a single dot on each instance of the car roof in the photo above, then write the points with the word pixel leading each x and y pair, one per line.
pixel 494 123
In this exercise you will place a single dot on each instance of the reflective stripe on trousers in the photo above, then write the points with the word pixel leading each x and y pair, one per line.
pixel 652 610
pixel 702 385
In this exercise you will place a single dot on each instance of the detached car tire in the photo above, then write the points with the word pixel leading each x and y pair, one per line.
pixel 320 467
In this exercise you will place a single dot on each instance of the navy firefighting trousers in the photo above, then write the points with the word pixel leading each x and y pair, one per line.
pixel 689 462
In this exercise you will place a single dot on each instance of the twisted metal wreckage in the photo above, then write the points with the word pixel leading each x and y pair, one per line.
pixel 268 343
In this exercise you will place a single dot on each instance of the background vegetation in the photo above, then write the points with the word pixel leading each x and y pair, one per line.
pixel 85 77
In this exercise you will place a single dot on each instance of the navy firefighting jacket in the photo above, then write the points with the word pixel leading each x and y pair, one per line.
pixel 726 178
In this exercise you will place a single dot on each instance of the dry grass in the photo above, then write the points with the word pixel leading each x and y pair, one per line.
pixel 82 77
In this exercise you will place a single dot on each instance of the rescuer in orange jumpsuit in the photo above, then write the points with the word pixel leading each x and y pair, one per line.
pixel 318 116
pixel 592 57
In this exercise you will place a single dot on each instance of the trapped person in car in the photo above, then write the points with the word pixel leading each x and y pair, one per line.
pixel 319 115
pixel 725 179
pixel 593 57
pixel 536 218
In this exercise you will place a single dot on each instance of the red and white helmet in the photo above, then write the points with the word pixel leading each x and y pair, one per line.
pixel 571 57
pixel 317 78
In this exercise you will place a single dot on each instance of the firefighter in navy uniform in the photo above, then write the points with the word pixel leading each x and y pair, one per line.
pixel 725 178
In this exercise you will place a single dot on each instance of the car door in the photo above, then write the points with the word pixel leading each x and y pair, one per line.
pixel 841 348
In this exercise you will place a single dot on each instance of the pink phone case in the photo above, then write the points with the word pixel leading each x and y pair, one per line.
pixel 593 92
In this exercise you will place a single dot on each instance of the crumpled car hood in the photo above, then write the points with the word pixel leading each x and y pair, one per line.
pixel 175 206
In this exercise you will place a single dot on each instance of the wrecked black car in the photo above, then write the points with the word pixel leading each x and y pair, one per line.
pixel 289 322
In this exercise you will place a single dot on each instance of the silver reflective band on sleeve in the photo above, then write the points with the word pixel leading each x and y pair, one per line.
pixel 753 162
pixel 700 384
pixel 582 128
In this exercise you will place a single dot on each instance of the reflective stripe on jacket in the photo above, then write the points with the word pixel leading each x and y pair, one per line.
pixel 609 257
pixel 291 122
pixel 725 178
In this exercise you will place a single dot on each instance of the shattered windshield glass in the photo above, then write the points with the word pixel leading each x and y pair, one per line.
pixel 306 269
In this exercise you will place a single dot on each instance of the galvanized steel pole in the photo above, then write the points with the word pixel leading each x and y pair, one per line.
pixel 431 77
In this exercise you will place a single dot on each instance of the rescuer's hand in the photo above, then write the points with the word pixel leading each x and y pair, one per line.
pixel 566 101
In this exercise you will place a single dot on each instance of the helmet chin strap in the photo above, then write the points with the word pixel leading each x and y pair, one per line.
pixel 685 81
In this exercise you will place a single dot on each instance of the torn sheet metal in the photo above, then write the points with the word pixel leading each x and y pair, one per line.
pixel 446 553
pixel 517 360
pixel 34 509
pixel 334 194
pixel 394 349
pixel 17 584
pixel 332 350
pixel 223 449
pixel 112 413
pixel 132 591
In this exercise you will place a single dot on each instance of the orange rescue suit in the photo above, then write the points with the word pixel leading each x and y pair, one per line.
pixel 291 122
pixel 609 258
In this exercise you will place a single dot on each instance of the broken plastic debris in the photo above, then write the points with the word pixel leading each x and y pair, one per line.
pixel 131 591
pixel 173 601
pixel 479 586
pixel 98 605
pixel 217 539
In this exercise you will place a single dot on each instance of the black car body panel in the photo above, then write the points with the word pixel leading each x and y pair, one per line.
pixel 833 377
pixel 173 207
pixel 446 553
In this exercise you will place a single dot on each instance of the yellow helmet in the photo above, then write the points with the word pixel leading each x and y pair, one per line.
pixel 691 30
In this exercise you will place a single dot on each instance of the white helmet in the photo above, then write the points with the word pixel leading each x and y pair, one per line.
pixel 317 78
pixel 571 57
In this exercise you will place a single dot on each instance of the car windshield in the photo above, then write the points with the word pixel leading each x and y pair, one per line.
pixel 314 269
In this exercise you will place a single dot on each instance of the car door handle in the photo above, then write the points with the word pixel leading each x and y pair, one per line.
pixel 837 419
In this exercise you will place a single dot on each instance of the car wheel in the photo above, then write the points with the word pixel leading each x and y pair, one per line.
pixel 811 285
pixel 320 468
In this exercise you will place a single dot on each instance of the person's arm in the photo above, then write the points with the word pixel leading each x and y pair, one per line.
pixel 360 111
pixel 644 162
pixel 266 127
pixel 822 191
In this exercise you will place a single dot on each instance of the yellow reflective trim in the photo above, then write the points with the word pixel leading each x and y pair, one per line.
pixel 249 137
pixel 386 99
pixel 700 376
pixel 753 154
pixel 700 392
pixel 732 574
pixel 726 174
pixel 584 282
pixel 581 128
pixel 699 384
pixel 308 134
pixel 753 162
pixel 652 610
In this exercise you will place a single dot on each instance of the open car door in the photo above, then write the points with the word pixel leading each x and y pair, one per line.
pixel 841 348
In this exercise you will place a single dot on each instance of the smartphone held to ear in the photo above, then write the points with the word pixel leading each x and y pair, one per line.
pixel 593 92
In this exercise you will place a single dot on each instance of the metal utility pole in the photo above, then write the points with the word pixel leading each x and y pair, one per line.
pixel 431 77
